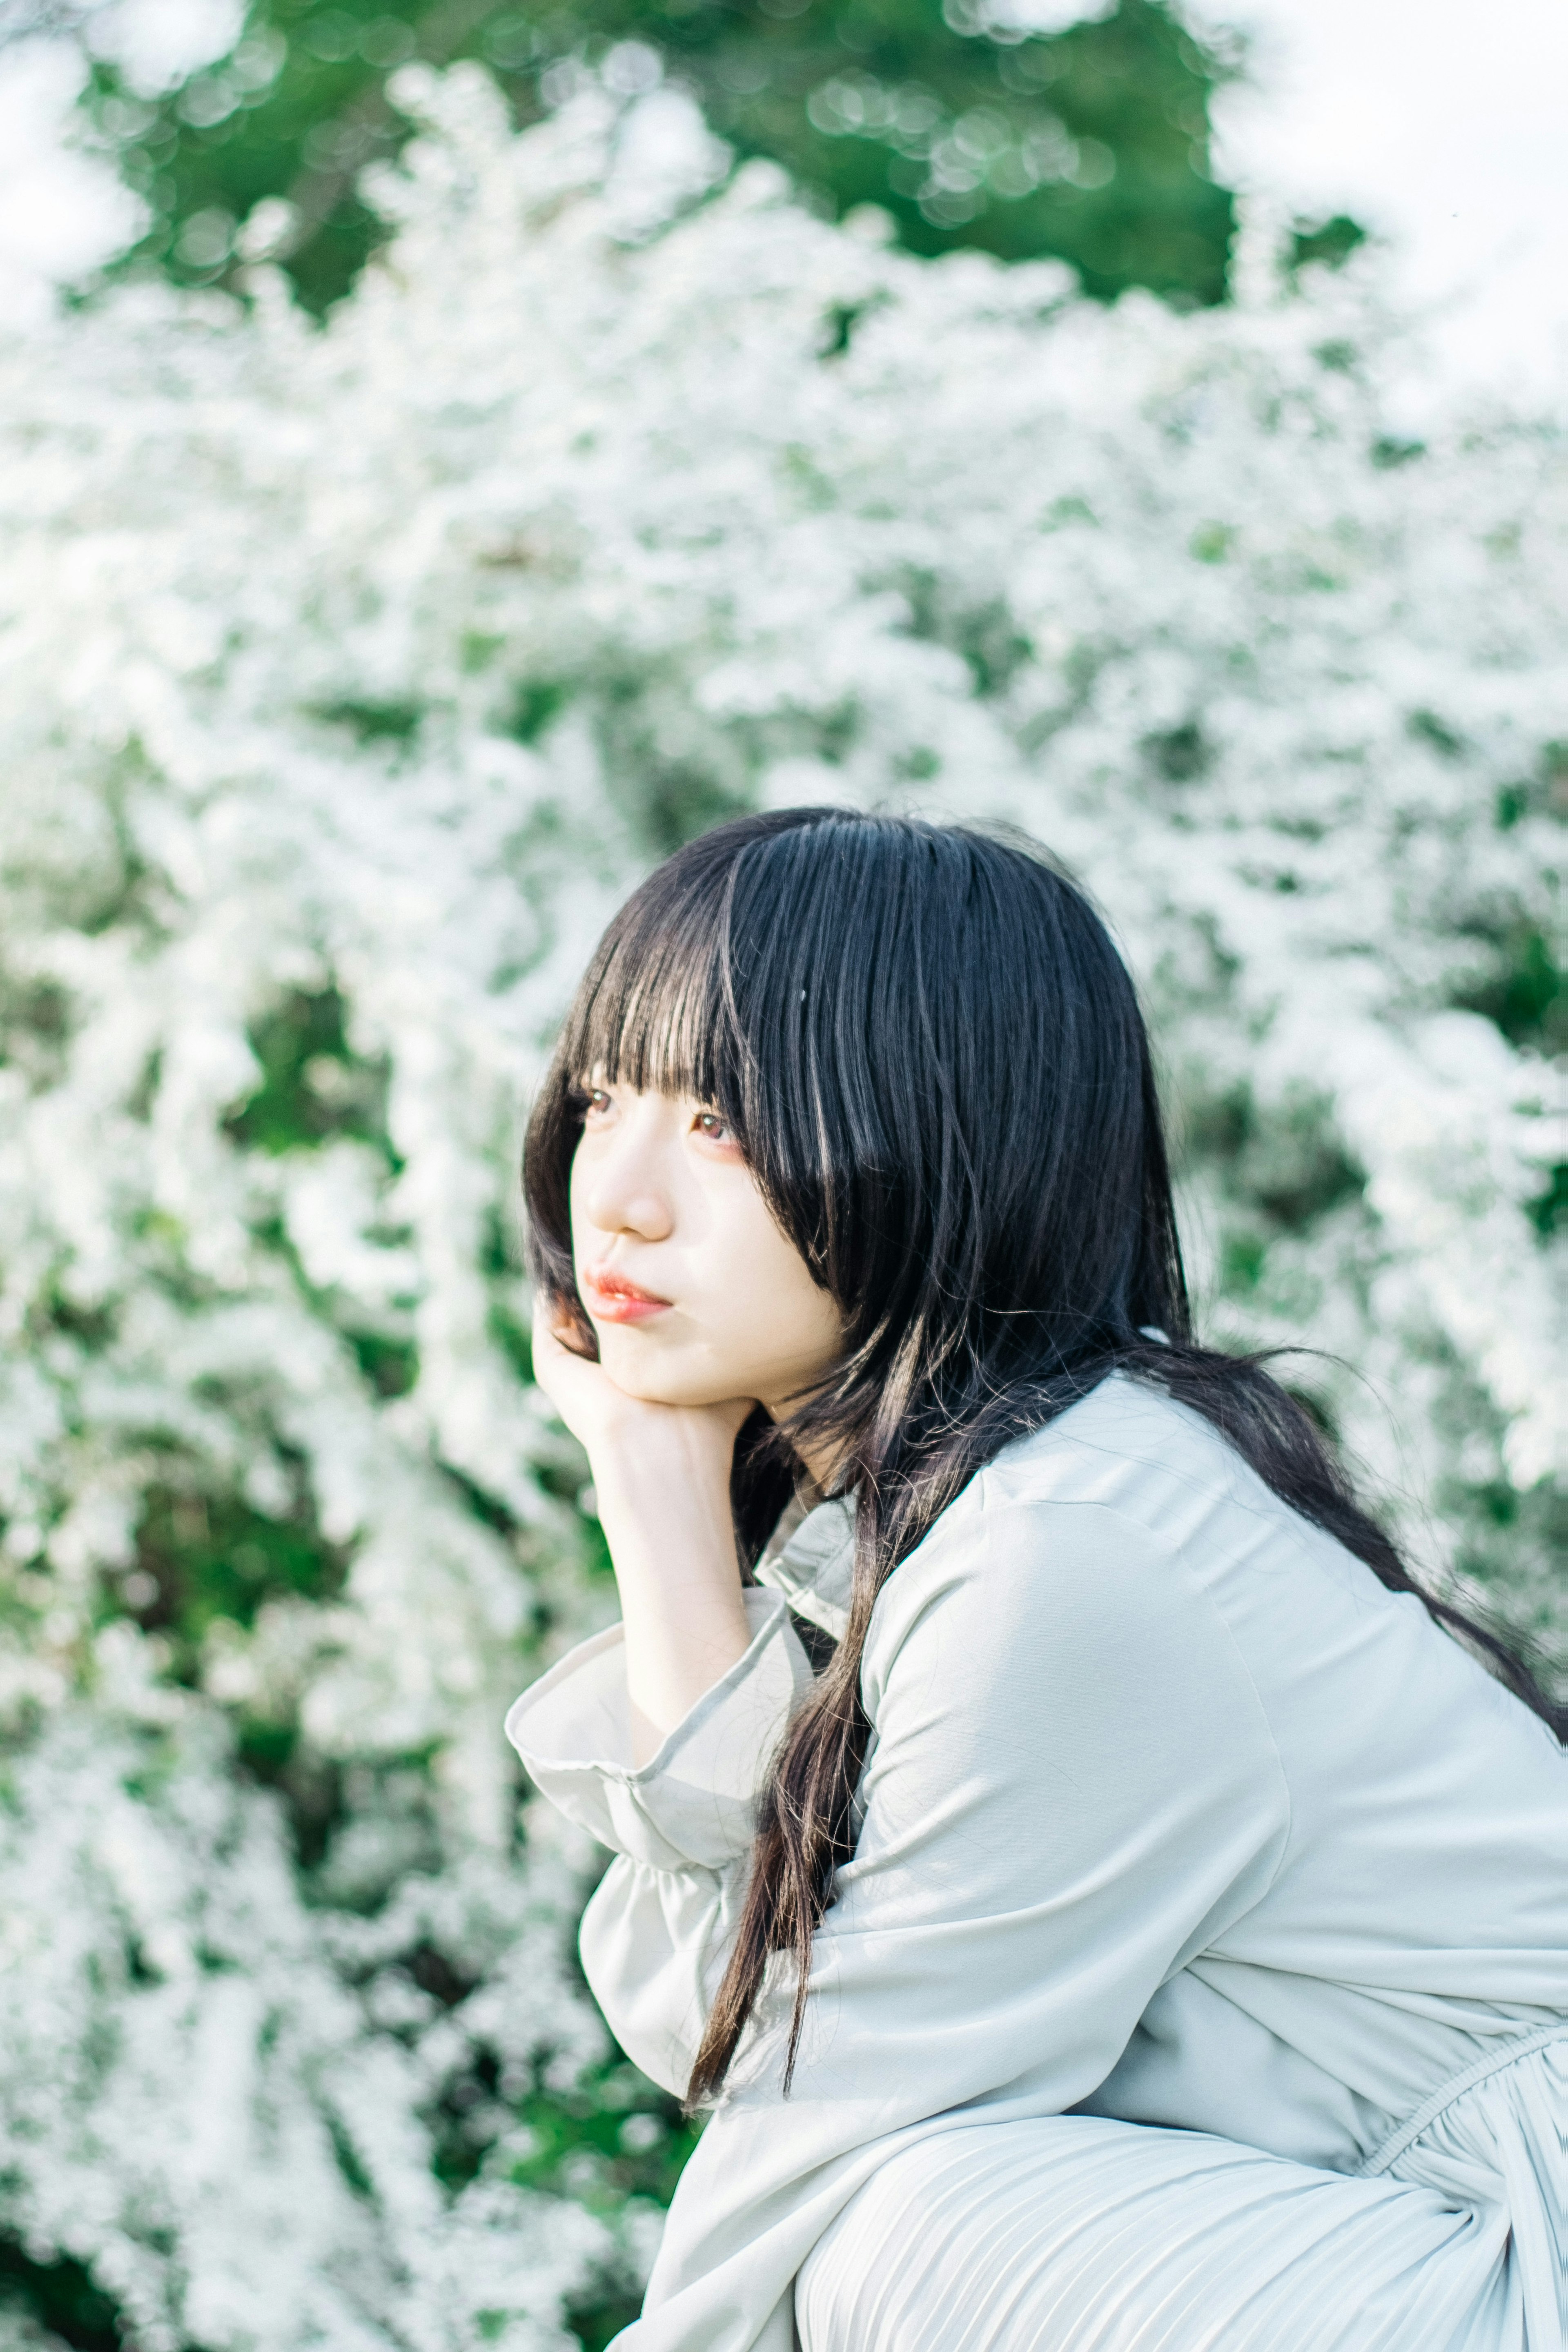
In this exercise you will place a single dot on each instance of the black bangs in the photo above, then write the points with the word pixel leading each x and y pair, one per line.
pixel 655 1009
pixel 689 989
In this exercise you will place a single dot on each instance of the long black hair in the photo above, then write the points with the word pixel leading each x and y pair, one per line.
pixel 935 1060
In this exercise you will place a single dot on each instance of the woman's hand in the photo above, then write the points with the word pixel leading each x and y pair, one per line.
pixel 661 1478
pixel 607 1422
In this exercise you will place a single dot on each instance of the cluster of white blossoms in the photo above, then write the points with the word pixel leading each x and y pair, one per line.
pixel 348 677
pixel 217 2102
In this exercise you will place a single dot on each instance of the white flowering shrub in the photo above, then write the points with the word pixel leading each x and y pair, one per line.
pixel 348 677
pixel 217 2100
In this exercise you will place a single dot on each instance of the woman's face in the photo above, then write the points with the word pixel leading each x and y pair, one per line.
pixel 696 1295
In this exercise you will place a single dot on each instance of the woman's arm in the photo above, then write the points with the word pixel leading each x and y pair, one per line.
pixel 656 1735
pixel 661 1476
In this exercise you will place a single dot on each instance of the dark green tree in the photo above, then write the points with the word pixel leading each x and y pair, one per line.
pixel 1091 144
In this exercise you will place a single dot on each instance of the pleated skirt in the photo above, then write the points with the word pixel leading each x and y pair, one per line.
pixel 1077 2234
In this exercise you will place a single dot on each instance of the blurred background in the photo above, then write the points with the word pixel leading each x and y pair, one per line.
pixel 146 132
pixel 451 455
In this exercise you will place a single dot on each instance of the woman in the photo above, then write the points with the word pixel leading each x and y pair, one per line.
pixel 1100 1904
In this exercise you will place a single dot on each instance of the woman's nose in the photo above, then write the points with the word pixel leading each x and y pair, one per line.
pixel 624 1195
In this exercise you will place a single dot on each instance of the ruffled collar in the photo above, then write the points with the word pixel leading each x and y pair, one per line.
pixel 810 1558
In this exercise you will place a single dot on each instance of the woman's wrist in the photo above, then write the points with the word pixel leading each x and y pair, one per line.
pixel 663 1466
pixel 665 1511
pixel 668 1480
pixel 673 1551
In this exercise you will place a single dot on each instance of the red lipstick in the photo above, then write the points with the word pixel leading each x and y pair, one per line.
pixel 612 1298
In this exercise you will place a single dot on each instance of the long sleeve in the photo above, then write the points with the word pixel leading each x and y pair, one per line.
pixel 1073 1787
pixel 655 1936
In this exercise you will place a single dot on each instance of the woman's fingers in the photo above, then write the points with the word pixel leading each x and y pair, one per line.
pixel 569 1380
pixel 602 1416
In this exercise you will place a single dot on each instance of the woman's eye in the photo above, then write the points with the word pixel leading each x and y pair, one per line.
pixel 595 1102
pixel 709 1123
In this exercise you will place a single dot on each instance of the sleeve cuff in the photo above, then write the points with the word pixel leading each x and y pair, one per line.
pixel 693 1804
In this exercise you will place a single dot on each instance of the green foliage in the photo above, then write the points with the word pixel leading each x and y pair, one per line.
pixel 59 2295
pixel 536 705
pixel 202 1557
pixel 1549 1210
pixel 1508 1543
pixel 1091 144
pixel 1523 992
pixel 374 722
pixel 1291 1166
pixel 312 1086
pixel 616 2138
pixel 1329 242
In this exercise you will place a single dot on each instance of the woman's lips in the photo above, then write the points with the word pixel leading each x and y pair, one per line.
pixel 611 1298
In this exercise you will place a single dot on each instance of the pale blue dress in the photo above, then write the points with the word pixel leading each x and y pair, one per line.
pixel 1200 1980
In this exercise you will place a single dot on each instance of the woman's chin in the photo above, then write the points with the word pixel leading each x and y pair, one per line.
pixel 639 1370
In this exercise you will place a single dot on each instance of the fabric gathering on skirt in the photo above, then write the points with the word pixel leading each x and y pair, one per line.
pixel 1094 2236
pixel 1199 1982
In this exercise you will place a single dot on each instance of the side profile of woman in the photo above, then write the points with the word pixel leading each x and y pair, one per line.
pixel 1099 1900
